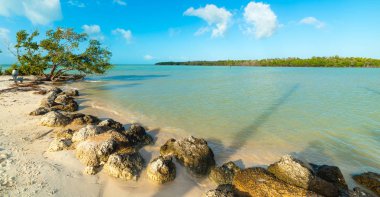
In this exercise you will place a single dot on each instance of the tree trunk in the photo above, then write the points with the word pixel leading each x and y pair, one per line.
pixel 51 76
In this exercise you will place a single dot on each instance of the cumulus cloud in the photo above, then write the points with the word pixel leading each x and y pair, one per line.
pixel 76 3
pixel 126 34
pixel 218 19
pixel 120 2
pixel 40 12
pixel 261 21
pixel 312 21
pixel 93 31
pixel 148 57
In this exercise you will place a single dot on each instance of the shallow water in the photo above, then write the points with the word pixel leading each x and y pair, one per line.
pixel 254 114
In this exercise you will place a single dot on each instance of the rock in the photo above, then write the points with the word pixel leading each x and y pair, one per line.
pixel 59 145
pixel 72 92
pixel 83 119
pixel 55 119
pixel 224 174
pixel 63 99
pixel 226 190
pixel 260 182
pixel 298 173
pixel 124 165
pixel 161 170
pixel 358 192
pixel 65 134
pixel 191 152
pixel 95 150
pixel 331 174
pixel 55 90
pixel 371 180
pixel 85 132
pixel 89 170
pixel 137 136
pixel 109 124
pixel 40 111
pixel 71 106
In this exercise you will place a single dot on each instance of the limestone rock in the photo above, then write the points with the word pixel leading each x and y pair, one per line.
pixel 259 182
pixel 72 92
pixel 138 136
pixel 85 132
pixel 54 119
pixel 331 174
pixel 59 145
pixel 161 170
pixel 55 90
pixel 226 190
pixel 371 180
pixel 40 111
pixel 298 173
pixel 64 134
pixel 70 106
pixel 111 124
pixel 89 170
pixel 63 99
pixel 125 166
pixel 83 119
pixel 191 152
pixel 224 174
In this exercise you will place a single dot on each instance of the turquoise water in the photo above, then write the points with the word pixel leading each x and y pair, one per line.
pixel 325 115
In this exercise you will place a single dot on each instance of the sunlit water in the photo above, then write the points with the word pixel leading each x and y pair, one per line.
pixel 324 115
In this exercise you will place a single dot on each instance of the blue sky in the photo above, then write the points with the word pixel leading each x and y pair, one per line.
pixel 139 31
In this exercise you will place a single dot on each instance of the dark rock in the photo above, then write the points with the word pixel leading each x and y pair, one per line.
pixel 298 173
pixel 191 152
pixel 124 165
pixel 260 182
pixel 161 170
pixel 83 119
pixel 109 124
pixel 56 90
pixel 224 174
pixel 370 180
pixel 358 192
pixel 331 174
pixel 226 190
pixel 137 136
pixel 63 99
pixel 70 106
pixel 72 92
pixel 40 111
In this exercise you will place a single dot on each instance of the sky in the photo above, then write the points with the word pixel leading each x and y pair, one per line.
pixel 149 31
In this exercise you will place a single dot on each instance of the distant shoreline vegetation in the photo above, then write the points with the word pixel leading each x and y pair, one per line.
pixel 334 61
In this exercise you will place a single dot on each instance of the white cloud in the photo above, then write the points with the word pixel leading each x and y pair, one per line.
pixel 120 2
pixel 93 31
pixel 40 12
pixel 312 21
pixel 4 34
pixel 148 57
pixel 127 34
pixel 217 18
pixel 76 3
pixel 261 20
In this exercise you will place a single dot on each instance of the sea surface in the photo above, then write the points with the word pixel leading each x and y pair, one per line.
pixel 254 115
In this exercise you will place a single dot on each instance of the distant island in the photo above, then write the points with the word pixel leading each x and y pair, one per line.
pixel 334 61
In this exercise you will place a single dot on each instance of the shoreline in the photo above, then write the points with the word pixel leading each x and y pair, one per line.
pixel 100 184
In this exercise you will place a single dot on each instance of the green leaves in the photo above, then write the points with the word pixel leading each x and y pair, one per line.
pixel 61 51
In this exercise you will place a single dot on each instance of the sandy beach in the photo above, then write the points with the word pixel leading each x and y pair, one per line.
pixel 28 169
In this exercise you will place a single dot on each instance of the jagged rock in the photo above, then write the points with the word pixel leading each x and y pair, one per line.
pixel 72 92
pixel 96 149
pixel 83 119
pixel 70 106
pixel 59 144
pixel 55 90
pixel 161 170
pixel 371 180
pixel 137 136
pixel 63 99
pixel 65 134
pixel 191 152
pixel 40 111
pixel 109 124
pixel 331 174
pixel 54 119
pixel 86 132
pixel 124 165
pixel 90 170
pixel 260 182
pixel 298 173
pixel 224 174
pixel 358 192
pixel 226 190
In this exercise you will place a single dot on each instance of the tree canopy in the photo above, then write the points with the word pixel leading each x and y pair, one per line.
pixel 60 51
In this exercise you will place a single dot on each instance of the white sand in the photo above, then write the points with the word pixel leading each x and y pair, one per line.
pixel 26 169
